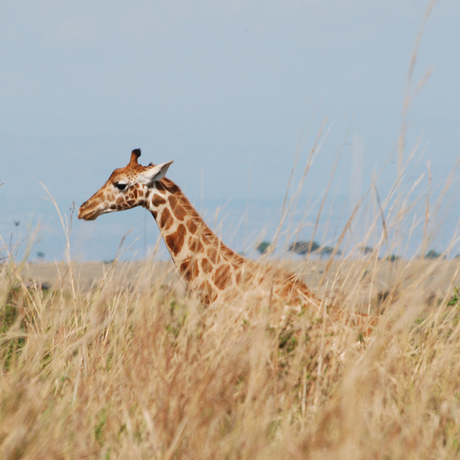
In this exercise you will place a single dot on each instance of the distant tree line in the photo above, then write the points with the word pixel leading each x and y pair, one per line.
pixel 302 248
pixel 305 248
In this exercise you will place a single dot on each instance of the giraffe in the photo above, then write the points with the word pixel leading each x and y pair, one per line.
pixel 211 270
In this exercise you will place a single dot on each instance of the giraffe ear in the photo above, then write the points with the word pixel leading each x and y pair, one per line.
pixel 155 173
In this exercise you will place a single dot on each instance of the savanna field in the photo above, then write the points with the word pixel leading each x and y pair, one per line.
pixel 319 141
pixel 115 360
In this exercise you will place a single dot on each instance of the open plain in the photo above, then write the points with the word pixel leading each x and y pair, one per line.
pixel 364 279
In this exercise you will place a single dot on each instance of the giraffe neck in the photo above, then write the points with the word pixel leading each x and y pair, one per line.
pixel 194 248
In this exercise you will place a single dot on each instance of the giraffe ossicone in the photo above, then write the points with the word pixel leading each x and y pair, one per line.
pixel 211 269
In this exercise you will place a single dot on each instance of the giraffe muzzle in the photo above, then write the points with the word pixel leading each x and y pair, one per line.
pixel 86 212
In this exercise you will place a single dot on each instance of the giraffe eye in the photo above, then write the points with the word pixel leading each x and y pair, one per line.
pixel 120 186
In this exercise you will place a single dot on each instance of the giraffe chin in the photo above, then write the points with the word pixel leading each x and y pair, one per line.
pixel 92 215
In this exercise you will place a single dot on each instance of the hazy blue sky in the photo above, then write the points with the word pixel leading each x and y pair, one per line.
pixel 224 88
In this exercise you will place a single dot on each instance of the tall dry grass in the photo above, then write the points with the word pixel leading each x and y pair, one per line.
pixel 131 370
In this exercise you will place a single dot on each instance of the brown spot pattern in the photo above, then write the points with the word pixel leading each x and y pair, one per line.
pixel 195 245
pixel 222 277
pixel 302 288
pixel 166 219
pixel 244 277
pixel 177 209
pixel 157 200
pixel 206 265
pixel 285 290
pixel 191 226
pixel 237 262
pixel 120 200
pixel 188 207
pixel 204 238
pixel 213 256
pixel 175 241
pixel 228 252
pixel 169 186
pixel 160 188
pixel 189 269
pixel 207 294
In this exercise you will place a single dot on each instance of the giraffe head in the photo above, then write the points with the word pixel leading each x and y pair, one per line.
pixel 126 188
